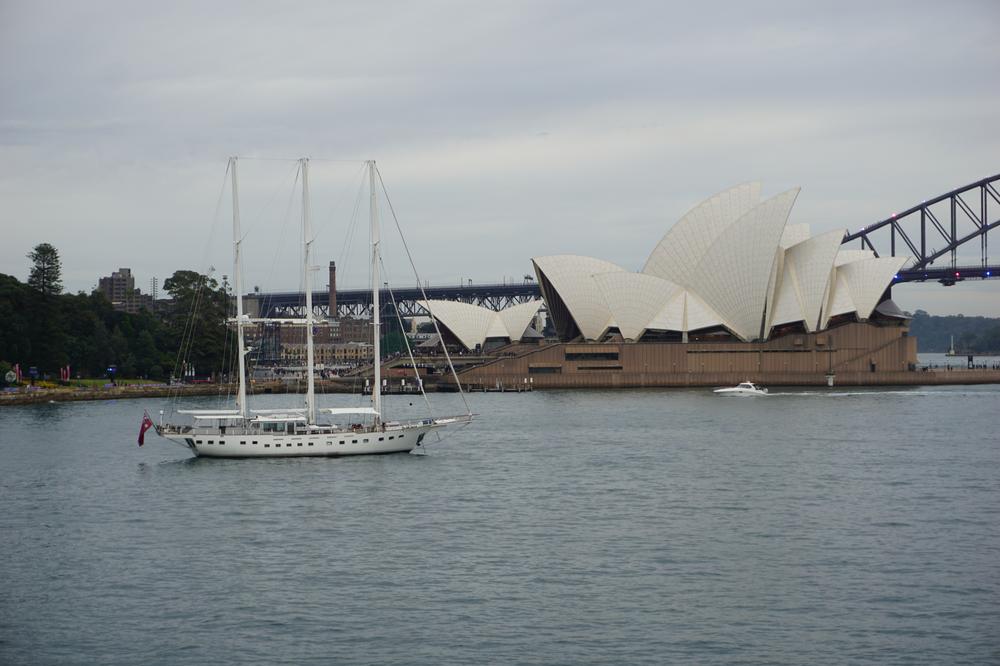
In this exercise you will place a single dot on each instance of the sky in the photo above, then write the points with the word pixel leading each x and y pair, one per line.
pixel 503 130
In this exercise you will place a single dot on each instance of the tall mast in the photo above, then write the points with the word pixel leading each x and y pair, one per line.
pixel 376 285
pixel 241 400
pixel 307 246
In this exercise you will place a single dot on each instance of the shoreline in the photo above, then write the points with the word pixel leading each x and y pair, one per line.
pixel 843 380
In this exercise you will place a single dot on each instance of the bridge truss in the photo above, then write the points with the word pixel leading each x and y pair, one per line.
pixel 935 230
pixel 357 303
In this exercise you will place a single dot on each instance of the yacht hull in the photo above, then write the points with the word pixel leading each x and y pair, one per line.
pixel 335 444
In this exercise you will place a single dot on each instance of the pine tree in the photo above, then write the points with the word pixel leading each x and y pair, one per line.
pixel 46 272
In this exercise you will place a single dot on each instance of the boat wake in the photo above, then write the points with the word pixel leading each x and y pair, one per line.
pixel 848 394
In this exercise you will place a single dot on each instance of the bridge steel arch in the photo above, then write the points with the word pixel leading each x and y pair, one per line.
pixel 928 236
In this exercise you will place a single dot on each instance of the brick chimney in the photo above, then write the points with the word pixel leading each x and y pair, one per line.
pixel 333 290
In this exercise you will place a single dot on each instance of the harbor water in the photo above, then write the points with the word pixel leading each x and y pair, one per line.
pixel 563 527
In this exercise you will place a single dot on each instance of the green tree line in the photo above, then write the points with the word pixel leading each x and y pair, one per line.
pixel 973 335
pixel 42 328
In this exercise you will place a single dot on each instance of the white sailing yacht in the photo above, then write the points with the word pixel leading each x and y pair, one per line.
pixel 302 431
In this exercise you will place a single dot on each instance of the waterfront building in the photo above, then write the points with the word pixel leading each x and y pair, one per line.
pixel 119 288
pixel 732 292
pixel 731 268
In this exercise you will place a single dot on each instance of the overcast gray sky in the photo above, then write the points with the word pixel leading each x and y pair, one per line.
pixel 504 130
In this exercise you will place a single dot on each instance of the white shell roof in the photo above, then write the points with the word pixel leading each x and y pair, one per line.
pixel 809 264
pixel 786 308
pixel 635 299
pixel 682 247
pixel 794 234
pixel 840 298
pixel 517 318
pixel 847 256
pixel 867 280
pixel 734 275
pixel 569 274
pixel 671 316
pixel 472 325
pixel 698 315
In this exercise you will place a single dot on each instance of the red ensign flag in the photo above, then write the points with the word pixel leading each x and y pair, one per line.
pixel 147 423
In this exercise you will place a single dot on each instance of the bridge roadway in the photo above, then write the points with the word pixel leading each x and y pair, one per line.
pixel 358 302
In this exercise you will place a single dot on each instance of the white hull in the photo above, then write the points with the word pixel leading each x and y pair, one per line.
pixel 739 393
pixel 400 439
pixel 744 389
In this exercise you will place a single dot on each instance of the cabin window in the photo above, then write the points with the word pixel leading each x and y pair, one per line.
pixel 544 370
pixel 300 443
pixel 290 444
pixel 255 442
pixel 242 443
pixel 211 441
pixel 381 438
pixel 267 446
pixel 341 441
pixel 310 443
pixel 366 441
pixel 199 441
pixel 354 441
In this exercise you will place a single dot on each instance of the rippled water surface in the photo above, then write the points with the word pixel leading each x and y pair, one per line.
pixel 622 527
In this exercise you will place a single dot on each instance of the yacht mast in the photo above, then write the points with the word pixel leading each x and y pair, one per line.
pixel 241 399
pixel 376 285
pixel 307 246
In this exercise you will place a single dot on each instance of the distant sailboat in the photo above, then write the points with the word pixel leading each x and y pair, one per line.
pixel 302 431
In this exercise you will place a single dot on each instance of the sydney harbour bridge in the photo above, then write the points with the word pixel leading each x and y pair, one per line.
pixel 947 238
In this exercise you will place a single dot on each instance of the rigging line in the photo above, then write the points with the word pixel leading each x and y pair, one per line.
pixel 261 211
pixel 344 259
pixel 409 351
pixel 187 334
pixel 282 235
pixel 420 286
pixel 268 159
pixel 333 213
pixel 215 220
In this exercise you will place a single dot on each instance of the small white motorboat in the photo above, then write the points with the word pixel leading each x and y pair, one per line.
pixel 744 388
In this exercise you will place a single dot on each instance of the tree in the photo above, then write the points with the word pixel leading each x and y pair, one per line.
pixel 197 320
pixel 46 271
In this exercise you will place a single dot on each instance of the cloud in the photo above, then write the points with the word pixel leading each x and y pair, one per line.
pixel 504 130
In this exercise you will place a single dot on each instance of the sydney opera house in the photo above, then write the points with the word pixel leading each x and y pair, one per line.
pixel 731 292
